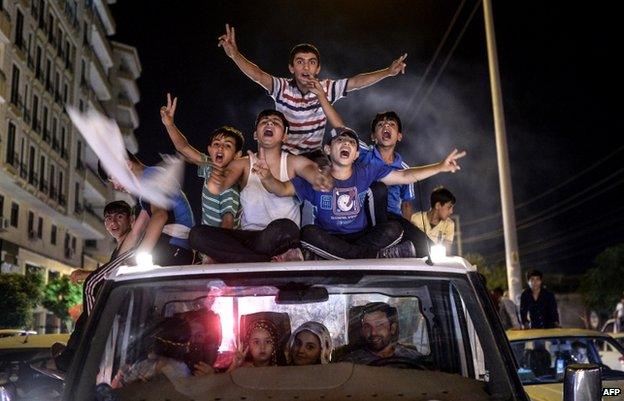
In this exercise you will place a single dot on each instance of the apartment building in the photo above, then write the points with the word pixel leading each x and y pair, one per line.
pixel 55 53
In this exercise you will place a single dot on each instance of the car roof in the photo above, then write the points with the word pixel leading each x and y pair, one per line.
pixel 452 264
pixel 534 334
pixel 32 341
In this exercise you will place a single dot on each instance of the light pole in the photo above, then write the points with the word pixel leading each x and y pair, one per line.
pixel 504 176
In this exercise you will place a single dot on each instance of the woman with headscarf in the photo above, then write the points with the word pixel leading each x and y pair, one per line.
pixel 260 346
pixel 309 344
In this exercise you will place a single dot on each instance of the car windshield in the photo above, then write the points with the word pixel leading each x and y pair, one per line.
pixel 544 360
pixel 262 337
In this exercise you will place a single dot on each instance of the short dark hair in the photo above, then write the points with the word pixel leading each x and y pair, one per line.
pixel 229 132
pixel 442 195
pixel 390 311
pixel 304 48
pixel 272 112
pixel 118 207
pixel 498 290
pixel 387 115
pixel 534 273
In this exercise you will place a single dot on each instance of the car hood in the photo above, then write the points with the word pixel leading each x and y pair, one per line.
pixel 554 391
pixel 338 381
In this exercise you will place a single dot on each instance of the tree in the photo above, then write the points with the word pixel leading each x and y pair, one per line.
pixel 20 295
pixel 60 295
pixel 603 284
pixel 496 275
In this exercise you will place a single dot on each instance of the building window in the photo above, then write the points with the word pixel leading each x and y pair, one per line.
pixel 14 214
pixel 73 243
pixel 32 269
pixel 53 192
pixel 10 155
pixel 19 30
pixel 79 165
pixel 46 133
pixel 38 71
pixel 15 78
pixel 40 228
pixel 32 174
pixel 43 187
pixel 35 121
pixel 53 231
pixel 48 74
pixel 65 93
pixel 31 224
pixel 1 206
pixel 53 275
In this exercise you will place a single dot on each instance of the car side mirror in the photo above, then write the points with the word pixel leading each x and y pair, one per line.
pixel 582 382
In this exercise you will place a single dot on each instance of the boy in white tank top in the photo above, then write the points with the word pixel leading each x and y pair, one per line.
pixel 270 224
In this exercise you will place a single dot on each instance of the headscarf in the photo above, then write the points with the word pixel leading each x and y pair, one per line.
pixel 270 328
pixel 323 335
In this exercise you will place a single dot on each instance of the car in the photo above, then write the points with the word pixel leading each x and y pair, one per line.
pixel 454 346
pixel 542 356
pixel 15 332
pixel 21 360
pixel 619 337
pixel 609 326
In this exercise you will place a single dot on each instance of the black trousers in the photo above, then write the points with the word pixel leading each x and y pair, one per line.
pixel 238 246
pixel 166 254
pixel 378 213
pixel 360 245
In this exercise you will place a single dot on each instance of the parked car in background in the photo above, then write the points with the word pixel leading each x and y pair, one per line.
pixel 543 354
pixel 20 359
pixel 15 332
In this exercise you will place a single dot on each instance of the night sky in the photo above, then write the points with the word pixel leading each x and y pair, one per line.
pixel 557 71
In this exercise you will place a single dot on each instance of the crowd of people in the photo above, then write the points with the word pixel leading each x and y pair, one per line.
pixel 302 195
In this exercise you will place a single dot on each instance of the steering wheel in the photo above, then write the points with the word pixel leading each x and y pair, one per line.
pixel 400 362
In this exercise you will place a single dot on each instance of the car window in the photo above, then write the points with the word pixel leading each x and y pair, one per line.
pixel 544 360
pixel 162 332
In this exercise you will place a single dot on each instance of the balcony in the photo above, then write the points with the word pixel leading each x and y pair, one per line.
pixel 129 139
pixel 95 189
pixel 33 179
pixel 5 26
pixel 14 162
pixel 43 186
pixel 53 193
pixel 129 57
pixel 20 49
pixel 103 14
pixel 99 81
pixel 23 170
pixel 100 45
pixel 46 135
pixel 130 88
pixel 127 114
pixel 93 221
pixel 16 104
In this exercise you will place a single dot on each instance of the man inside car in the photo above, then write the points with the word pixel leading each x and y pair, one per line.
pixel 380 333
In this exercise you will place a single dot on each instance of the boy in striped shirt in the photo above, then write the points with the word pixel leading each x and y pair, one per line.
pixel 219 208
pixel 293 96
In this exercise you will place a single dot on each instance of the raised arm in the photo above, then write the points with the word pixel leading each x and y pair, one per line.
pixel 330 112
pixel 180 142
pixel 154 228
pixel 370 78
pixel 228 42
pixel 411 175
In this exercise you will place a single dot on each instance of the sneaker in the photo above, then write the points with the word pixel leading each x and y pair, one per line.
pixel 404 249
pixel 291 255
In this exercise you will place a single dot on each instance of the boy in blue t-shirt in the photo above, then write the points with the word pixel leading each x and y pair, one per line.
pixel 392 202
pixel 341 229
